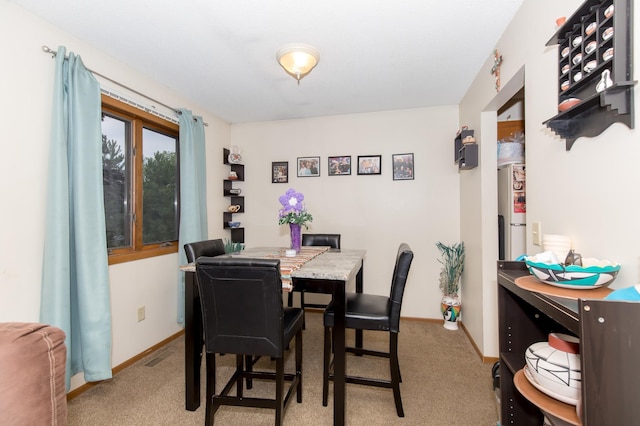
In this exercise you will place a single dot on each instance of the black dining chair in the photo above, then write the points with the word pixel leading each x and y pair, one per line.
pixel 208 248
pixel 242 313
pixel 375 313
pixel 331 240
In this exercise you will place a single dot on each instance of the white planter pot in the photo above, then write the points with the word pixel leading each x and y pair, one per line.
pixel 450 308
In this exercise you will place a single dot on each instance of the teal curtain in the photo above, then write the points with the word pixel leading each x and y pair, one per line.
pixel 193 192
pixel 75 277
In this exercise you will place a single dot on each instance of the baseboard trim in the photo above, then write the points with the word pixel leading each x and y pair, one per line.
pixel 118 368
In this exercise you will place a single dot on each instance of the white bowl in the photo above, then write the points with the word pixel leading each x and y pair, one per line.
pixel 554 372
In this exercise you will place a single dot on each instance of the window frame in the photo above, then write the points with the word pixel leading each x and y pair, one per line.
pixel 140 119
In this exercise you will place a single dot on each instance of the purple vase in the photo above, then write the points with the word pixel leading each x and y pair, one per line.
pixel 295 237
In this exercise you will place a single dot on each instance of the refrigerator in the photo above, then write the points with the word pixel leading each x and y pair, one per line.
pixel 512 211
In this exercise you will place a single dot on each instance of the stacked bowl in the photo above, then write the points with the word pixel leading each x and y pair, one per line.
pixel 560 245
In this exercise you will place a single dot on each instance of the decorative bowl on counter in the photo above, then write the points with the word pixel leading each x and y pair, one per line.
pixel 233 224
pixel 553 367
pixel 593 274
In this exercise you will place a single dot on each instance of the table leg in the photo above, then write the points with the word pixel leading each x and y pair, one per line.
pixel 340 359
pixel 359 289
pixel 192 342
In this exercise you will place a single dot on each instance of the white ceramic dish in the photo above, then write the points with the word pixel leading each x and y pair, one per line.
pixel 608 12
pixel 590 28
pixel 607 34
pixel 576 41
pixel 565 69
pixel 590 66
pixel 565 52
pixel 557 373
pixel 608 54
pixel 577 59
pixel 565 85
pixel 577 77
pixel 590 47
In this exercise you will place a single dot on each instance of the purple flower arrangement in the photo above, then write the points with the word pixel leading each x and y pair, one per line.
pixel 293 210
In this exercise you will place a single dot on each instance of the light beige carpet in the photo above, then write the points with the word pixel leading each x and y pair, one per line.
pixel 444 383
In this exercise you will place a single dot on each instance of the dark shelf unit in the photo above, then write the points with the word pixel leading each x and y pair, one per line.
pixel 465 154
pixel 609 347
pixel 597 110
pixel 237 234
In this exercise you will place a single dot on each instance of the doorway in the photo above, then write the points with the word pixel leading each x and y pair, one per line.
pixel 511 178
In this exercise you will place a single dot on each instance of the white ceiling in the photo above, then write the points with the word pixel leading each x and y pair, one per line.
pixel 375 55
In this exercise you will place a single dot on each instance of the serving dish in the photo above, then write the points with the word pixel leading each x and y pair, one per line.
pixel 568 103
pixel 595 275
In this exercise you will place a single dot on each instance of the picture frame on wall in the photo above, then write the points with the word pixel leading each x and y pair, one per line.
pixel 308 166
pixel 369 164
pixel 280 172
pixel 340 165
pixel 403 166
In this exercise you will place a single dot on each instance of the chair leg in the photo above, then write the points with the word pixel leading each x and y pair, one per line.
pixel 299 365
pixel 240 369
pixel 279 390
pixel 248 360
pixel 290 299
pixel 326 362
pixel 395 372
pixel 211 388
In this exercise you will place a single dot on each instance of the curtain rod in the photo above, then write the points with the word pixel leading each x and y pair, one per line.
pixel 53 54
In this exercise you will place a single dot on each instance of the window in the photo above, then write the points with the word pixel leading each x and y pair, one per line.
pixel 141 182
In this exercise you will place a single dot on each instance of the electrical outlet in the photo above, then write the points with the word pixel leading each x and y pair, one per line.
pixel 141 313
pixel 536 233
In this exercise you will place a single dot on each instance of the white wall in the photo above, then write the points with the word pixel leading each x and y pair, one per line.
pixel 371 212
pixel 586 193
pixel 25 110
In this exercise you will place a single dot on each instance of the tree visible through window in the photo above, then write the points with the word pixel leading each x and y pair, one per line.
pixel 140 175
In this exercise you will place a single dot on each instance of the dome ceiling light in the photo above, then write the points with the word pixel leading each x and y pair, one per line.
pixel 298 59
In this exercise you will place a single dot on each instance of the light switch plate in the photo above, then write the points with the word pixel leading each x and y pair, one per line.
pixel 536 233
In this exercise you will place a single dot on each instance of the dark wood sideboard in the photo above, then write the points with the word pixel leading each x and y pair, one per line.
pixel 609 333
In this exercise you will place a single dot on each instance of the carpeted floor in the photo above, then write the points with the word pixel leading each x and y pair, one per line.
pixel 444 383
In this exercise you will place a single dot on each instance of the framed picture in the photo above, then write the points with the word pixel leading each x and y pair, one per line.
pixel 402 166
pixel 280 172
pixel 369 164
pixel 308 166
pixel 339 166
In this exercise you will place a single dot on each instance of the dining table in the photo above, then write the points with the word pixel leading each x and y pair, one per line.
pixel 324 270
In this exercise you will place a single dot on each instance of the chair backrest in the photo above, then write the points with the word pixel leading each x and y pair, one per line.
pixel 241 300
pixel 208 248
pixel 331 240
pixel 400 272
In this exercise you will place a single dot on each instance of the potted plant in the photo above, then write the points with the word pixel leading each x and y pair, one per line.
pixel 452 266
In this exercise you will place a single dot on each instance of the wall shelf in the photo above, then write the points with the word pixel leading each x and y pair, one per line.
pixel 237 234
pixel 582 41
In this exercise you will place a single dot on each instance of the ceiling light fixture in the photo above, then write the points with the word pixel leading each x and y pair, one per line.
pixel 298 59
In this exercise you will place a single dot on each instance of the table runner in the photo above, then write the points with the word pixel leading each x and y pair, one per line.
pixel 287 264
